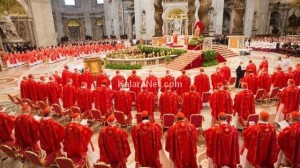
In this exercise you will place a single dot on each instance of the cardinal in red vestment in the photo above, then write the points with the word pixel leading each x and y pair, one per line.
pixel 42 90
pixel 297 75
pixel 66 74
pixel 51 135
pixel 88 77
pixel 244 104
pixel 225 70
pixel 290 74
pixel 58 79
pixel 289 141
pixel 76 77
pixel 220 101
pixel 102 76
pixel 167 81
pixel 264 80
pixel 54 91
pixel 222 144
pixel 261 142
pixel 69 94
pixel 145 101
pixel 290 97
pixel 7 124
pixel 113 144
pixel 201 81
pixel 27 133
pixel 216 78
pixel 32 88
pixel 168 102
pixel 146 137
pixel 84 98
pixel 117 81
pixel 251 67
pixel 181 143
pixel 103 96
pixel 123 102
pixel 76 140
pixel 183 83
pixel 264 64
pixel 151 83
pixel 279 78
pixel 24 87
pixel 192 103
pixel 134 83
pixel 251 80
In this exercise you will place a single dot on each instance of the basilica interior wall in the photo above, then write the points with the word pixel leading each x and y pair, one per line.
pixel 86 12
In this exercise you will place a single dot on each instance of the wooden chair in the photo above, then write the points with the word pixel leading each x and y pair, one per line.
pixel 197 121
pixel 168 120
pixel 138 117
pixel 42 105
pixel 33 106
pixel 101 165
pixel 20 101
pixel 229 118
pixel 97 116
pixel 58 110
pixel 34 159
pixel 11 154
pixel 253 118
pixel 205 97
pixel 14 102
pixel 231 82
pixel 273 94
pixel 260 95
pixel 120 117
pixel 64 162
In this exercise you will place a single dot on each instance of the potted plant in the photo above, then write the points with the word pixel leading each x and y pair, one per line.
pixel 196 43
pixel 167 59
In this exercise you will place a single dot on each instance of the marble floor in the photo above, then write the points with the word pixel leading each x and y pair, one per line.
pixel 10 81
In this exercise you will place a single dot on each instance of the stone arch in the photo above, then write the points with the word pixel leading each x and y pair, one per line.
pixel 226 22
pixel 169 21
pixel 26 8
pixel 73 29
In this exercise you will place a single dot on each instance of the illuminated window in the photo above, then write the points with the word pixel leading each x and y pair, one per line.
pixel 100 1
pixel 70 2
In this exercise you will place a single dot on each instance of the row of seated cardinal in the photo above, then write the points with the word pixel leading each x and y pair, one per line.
pixel 175 93
pixel 260 147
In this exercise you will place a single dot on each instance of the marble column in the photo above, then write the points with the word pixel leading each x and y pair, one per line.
pixel 262 15
pixel 88 24
pixel 239 9
pixel 42 13
pixel 218 18
pixel 111 18
pixel 59 24
pixel 248 20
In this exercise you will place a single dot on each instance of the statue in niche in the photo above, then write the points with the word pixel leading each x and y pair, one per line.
pixel 176 25
pixel 158 17
pixel 191 16
pixel 112 27
pixel 143 22
pixel 211 18
pixel 254 21
pixel 8 28
pixel 293 20
pixel 239 8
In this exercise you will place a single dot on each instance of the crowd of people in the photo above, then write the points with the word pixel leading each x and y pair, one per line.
pixel 221 39
pixel 177 96
pixel 58 53
pixel 274 43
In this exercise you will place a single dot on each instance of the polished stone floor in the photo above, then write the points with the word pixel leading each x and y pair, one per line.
pixel 10 80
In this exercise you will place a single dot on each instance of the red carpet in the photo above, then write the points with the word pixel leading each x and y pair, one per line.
pixel 199 60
